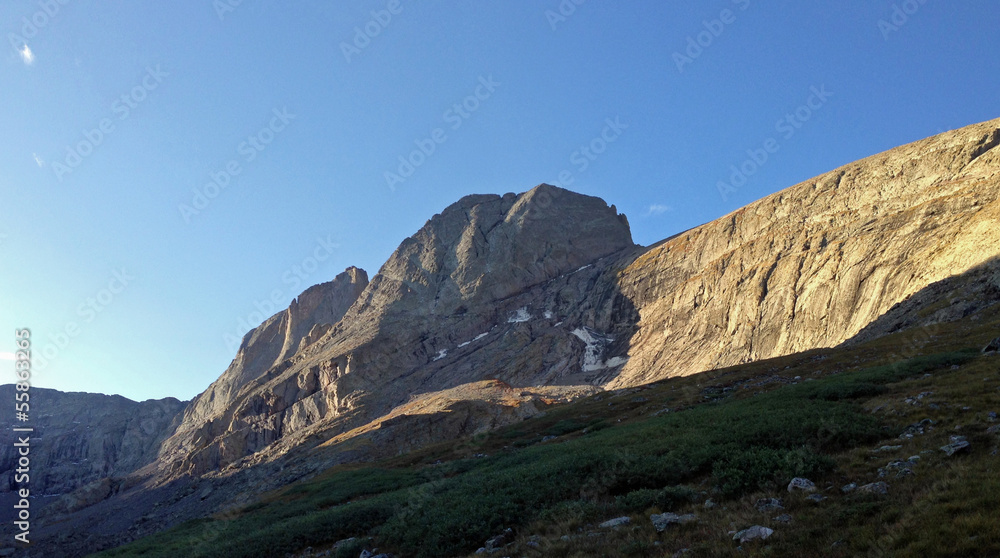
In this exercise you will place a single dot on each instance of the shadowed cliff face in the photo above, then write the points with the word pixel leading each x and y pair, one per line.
pixel 83 437
pixel 945 301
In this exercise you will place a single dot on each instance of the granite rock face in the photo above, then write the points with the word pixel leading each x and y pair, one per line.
pixel 266 348
pixel 547 288
pixel 80 438
pixel 812 265
pixel 474 295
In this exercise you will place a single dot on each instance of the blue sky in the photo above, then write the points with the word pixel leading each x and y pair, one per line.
pixel 120 121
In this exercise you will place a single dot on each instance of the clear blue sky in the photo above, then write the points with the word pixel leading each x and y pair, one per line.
pixel 79 205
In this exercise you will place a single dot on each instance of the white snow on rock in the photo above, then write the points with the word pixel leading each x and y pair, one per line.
pixel 474 339
pixel 522 315
pixel 548 315
pixel 615 361
pixel 595 345
pixel 441 354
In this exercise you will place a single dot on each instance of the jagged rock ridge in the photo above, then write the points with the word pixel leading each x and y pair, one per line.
pixel 547 288
pixel 265 348
pixel 421 325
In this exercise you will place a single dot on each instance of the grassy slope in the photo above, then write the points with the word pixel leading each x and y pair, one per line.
pixel 732 435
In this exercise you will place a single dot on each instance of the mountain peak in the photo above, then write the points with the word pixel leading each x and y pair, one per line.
pixel 495 246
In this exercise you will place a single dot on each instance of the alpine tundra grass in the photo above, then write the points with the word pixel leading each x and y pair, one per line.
pixel 839 416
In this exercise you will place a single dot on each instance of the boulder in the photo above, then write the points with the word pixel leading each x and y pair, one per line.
pixel 992 346
pixel 664 520
pixel 757 532
pixel 503 539
pixel 616 522
pixel 876 488
pixel 958 444
pixel 799 483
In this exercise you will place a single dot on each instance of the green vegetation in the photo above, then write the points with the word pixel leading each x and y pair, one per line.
pixel 733 435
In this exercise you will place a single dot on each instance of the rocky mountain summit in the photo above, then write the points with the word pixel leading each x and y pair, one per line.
pixel 263 349
pixel 547 288
pixel 500 306
pixel 449 307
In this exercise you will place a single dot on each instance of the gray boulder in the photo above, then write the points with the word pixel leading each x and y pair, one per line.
pixel 503 539
pixel 664 520
pixel 757 532
pixel 876 488
pixel 958 444
pixel 992 346
pixel 616 522
pixel 799 483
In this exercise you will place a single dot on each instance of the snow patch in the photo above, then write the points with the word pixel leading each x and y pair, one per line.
pixel 595 346
pixel 522 315
pixel 441 354
pixel 478 337
pixel 615 361
pixel 548 315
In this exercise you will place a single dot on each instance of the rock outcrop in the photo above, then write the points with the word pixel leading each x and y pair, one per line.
pixel 266 348
pixel 474 295
pixel 80 438
pixel 812 265
pixel 547 288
